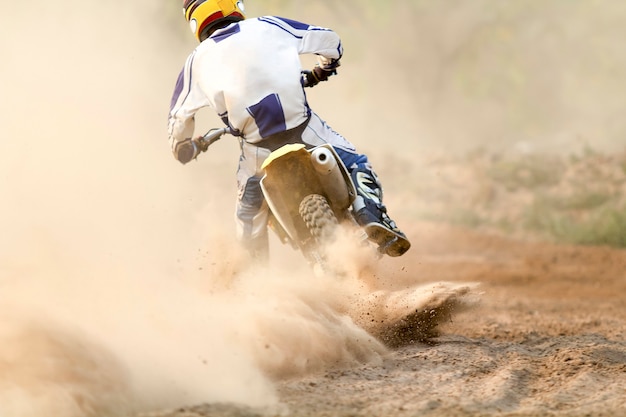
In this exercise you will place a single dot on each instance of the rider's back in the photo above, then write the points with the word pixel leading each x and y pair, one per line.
pixel 250 73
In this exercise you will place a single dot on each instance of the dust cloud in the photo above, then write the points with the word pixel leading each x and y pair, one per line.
pixel 425 76
pixel 121 289
pixel 98 222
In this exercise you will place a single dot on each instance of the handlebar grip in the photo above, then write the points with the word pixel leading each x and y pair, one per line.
pixel 213 136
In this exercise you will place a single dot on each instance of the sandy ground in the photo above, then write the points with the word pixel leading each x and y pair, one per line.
pixel 546 338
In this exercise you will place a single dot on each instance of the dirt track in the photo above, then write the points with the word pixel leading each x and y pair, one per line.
pixel 547 338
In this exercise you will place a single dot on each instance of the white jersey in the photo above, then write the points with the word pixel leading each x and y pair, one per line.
pixel 249 73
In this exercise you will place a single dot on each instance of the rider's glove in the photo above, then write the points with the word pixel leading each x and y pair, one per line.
pixel 187 150
pixel 318 74
pixel 328 64
pixel 200 144
pixel 312 78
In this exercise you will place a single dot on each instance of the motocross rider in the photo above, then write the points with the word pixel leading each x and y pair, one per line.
pixel 249 72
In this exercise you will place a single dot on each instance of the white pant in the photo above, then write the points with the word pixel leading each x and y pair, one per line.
pixel 252 211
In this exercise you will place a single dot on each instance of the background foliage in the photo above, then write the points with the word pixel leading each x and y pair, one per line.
pixel 523 96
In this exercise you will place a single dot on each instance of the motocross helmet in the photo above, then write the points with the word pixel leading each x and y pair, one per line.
pixel 205 15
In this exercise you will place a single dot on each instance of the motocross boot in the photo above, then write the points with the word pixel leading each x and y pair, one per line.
pixel 371 214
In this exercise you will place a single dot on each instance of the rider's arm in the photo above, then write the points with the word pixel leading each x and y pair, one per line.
pixel 185 103
pixel 180 132
pixel 184 150
pixel 312 39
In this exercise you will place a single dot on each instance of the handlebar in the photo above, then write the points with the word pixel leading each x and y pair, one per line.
pixel 212 136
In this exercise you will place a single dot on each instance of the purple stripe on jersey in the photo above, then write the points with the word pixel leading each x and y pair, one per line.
pixel 271 21
pixel 180 83
pixel 268 115
pixel 293 23
pixel 226 33
pixel 178 89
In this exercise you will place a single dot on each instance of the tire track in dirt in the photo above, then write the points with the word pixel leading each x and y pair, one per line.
pixel 546 339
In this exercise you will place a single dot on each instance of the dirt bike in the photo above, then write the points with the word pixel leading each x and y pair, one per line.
pixel 309 193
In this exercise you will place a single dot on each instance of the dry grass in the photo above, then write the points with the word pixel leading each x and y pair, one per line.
pixel 579 198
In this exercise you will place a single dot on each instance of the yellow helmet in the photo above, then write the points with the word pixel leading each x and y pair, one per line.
pixel 204 15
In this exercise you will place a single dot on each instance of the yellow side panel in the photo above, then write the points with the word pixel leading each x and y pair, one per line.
pixel 284 150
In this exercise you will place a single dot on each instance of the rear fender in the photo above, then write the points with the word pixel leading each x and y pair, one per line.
pixel 292 172
pixel 289 177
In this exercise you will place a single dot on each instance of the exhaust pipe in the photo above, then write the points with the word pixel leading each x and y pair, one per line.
pixel 331 177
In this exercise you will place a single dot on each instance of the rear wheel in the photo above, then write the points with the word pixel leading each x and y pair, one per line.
pixel 322 224
pixel 319 218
